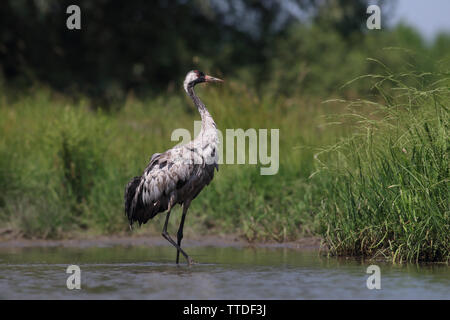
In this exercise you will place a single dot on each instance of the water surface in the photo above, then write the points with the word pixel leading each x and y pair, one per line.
pixel 140 272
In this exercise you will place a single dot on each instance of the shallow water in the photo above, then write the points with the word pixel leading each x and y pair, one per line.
pixel 138 272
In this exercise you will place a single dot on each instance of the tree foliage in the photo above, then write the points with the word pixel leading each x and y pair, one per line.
pixel 140 45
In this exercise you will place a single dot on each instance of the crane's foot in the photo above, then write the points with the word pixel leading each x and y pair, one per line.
pixel 190 262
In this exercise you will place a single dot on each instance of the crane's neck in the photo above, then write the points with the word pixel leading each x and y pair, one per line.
pixel 207 119
pixel 208 138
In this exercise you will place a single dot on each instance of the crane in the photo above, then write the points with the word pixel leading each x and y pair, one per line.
pixel 178 175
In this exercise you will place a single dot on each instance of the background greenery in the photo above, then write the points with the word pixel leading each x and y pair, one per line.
pixel 363 118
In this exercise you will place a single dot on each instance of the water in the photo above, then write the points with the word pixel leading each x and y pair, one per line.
pixel 139 272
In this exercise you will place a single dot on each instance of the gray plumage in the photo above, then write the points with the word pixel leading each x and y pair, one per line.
pixel 171 177
pixel 178 175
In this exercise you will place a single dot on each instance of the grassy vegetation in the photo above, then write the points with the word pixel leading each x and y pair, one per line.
pixel 388 195
pixel 64 165
pixel 369 176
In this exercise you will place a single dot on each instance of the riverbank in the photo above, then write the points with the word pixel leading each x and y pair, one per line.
pixel 151 240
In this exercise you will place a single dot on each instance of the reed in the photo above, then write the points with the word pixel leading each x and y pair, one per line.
pixel 387 192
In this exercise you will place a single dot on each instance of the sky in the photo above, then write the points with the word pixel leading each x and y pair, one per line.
pixel 427 16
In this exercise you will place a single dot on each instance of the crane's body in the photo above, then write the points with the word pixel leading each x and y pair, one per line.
pixel 178 175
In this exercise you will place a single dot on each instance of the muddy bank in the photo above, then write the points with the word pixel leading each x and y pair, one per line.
pixel 309 243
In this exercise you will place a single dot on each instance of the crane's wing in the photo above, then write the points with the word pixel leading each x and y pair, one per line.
pixel 155 190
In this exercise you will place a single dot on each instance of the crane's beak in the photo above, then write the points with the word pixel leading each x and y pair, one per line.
pixel 212 79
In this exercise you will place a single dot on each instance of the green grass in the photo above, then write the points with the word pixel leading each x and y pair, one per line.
pixel 64 166
pixel 388 192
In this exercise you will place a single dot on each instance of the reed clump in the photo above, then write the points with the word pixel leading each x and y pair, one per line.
pixel 387 192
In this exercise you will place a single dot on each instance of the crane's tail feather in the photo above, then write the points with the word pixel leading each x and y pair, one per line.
pixel 130 192
pixel 135 208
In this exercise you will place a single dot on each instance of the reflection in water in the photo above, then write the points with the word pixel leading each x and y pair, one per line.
pixel 125 272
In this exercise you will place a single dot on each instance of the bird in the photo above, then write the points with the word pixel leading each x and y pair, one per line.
pixel 177 175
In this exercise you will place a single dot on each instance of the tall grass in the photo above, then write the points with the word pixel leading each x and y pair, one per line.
pixel 388 191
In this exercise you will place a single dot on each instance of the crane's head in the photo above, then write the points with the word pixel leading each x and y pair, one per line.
pixel 193 77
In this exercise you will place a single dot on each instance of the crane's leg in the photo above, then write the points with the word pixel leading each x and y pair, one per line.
pixel 180 229
pixel 165 234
